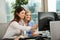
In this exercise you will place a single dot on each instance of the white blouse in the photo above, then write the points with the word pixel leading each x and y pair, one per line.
pixel 14 28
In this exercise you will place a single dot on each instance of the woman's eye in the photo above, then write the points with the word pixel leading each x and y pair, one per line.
pixel 30 15
pixel 26 15
pixel 23 13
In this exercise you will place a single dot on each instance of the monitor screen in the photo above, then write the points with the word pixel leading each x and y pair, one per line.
pixel 44 19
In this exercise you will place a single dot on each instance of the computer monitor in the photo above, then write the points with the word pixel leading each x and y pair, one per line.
pixel 44 19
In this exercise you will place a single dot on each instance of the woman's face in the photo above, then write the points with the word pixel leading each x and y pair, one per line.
pixel 22 14
pixel 28 16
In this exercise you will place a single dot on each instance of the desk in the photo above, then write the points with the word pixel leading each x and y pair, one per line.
pixel 36 38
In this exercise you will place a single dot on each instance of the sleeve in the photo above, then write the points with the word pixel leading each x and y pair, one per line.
pixel 31 23
pixel 20 27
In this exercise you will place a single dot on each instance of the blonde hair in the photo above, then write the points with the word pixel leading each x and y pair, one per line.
pixel 28 11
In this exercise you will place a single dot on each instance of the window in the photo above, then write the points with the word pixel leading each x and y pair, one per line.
pixel 33 5
pixel 51 5
pixel 8 9
pixel 58 6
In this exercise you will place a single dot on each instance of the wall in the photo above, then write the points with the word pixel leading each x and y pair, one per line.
pixel 3 18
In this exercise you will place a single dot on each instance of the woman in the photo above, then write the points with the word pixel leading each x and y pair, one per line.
pixel 17 24
pixel 29 22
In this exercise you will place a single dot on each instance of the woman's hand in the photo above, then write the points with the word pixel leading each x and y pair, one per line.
pixel 35 34
pixel 34 27
pixel 16 38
